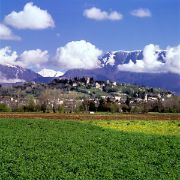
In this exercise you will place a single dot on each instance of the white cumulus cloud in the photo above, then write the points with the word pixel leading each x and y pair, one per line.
pixel 29 59
pixel 34 58
pixel 78 54
pixel 7 34
pixel 173 59
pixel 31 17
pixel 148 64
pixel 8 57
pixel 141 12
pixel 98 14
pixel 151 64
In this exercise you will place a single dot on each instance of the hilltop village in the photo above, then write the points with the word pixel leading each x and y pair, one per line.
pixel 86 95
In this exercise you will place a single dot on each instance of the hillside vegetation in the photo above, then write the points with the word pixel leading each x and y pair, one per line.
pixel 84 95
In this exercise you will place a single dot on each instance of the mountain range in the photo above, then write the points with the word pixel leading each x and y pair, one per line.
pixel 11 73
pixel 108 71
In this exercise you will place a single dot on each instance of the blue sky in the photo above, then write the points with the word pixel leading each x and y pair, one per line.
pixel 161 27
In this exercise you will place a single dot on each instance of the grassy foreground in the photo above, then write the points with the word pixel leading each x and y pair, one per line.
pixel 45 149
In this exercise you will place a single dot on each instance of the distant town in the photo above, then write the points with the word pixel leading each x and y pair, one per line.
pixel 86 95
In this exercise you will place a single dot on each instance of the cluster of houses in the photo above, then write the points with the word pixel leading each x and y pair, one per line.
pixel 71 93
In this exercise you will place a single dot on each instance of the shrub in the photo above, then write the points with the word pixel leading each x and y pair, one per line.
pixel 61 109
pixel 4 108
pixel 114 108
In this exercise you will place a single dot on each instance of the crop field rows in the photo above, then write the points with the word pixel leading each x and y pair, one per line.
pixel 92 117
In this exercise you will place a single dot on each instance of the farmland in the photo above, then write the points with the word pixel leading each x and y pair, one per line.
pixel 33 147
pixel 96 116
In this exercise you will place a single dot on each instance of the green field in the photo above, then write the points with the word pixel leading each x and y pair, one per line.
pixel 51 149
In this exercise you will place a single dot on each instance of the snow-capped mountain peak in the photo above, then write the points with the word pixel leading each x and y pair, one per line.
pixel 50 73
pixel 10 65
pixel 12 73
pixel 114 58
